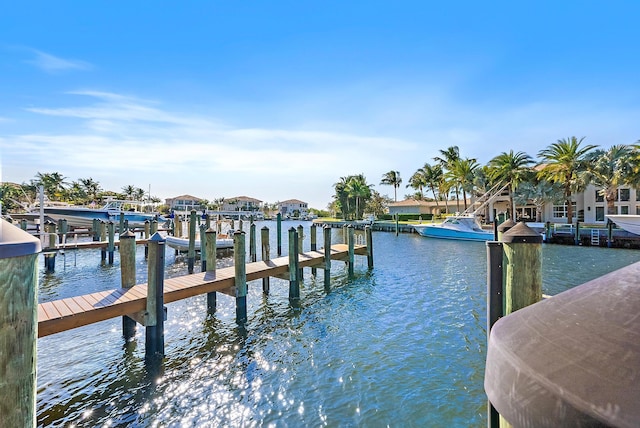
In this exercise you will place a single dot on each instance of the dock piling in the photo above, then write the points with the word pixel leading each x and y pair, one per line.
pixel 252 242
pixel 203 248
pixel 154 317
pixel 494 306
pixel 327 258
pixel 210 245
pixel 300 249
pixel 351 246
pixel 369 242
pixel 147 234
pixel 50 255
pixel 294 269
pixel 128 276
pixel 239 253
pixel 191 254
pixel 111 247
pixel 103 237
pixel 264 241
pixel 314 245
pixel 279 233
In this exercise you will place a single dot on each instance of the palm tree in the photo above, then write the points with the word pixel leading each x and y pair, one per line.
pixel 360 191
pixel 392 178
pixel 446 161
pixel 539 194
pixel 91 187
pixel 417 182
pixel 129 191
pixel 462 172
pixel 342 197
pixel 54 184
pixel 511 168
pixel 433 175
pixel 610 169
pixel 564 163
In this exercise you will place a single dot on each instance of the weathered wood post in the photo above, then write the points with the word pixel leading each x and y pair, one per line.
pixel 18 326
pixel 369 242
pixel 103 237
pixel 153 227
pixel 397 223
pixel 112 245
pixel 314 245
pixel 264 242
pixel 279 232
pixel 300 249
pixel 609 233
pixel 178 226
pixel 62 230
pixel 233 224
pixel 126 226
pixel 191 255
pixel 294 270
pixel 327 258
pixel 207 222
pixel 203 248
pixel 121 227
pixel 147 234
pixel 240 224
pixel 154 317
pixel 547 232
pixel 239 255
pixel 252 242
pixel 50 255
pixel 210 245
pixel 23 224
pixel 128 276
pixel 576 240
pixel 504 227
pixel 95 232
pixel 522 266
pixel 494 305
pixel 351 247
pixel 219 224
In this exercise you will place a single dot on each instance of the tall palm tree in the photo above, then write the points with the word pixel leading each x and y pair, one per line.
pixel 392 178
pixel 539 194
pixel 417 182
pixel 54 184
pixel 360 191
pixel 446 161
pixel 511 168
pixel 129 191
pixel 462 173
pixel 342 197
pixel 564 163
pixel 91 187
pixel 610 169
pixel 433 176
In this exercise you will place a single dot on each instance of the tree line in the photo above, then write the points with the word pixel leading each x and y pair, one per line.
pixel 561 170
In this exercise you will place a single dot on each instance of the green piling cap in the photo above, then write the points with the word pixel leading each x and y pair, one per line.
pixel 506 225
pixel 521 233
pixel 156 237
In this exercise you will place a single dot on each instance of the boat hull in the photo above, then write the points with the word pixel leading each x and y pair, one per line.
pixel 83 217
pixel 437 231
pixel 628 222
pixel 182 244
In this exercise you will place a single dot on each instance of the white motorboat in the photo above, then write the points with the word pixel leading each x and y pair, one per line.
pixel 182 244
pixel 461 227
pixel 628 222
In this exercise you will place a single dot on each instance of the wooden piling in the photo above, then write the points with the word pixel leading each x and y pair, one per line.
pixel 121 226
pixel 264 242
pixel 327 258
pixel 62 230
pixel 494 306
pixel 369 242
pixel 522 264
pixel 50 255
pixel 239 254
pixel 18 326
pixel 128 276
pixel 210 245
pixel 240 224
pixel 147 234
pixel 154 316
pixel 207 222
pixel 103 237
pixel 609 233
pixel 23 224
pixel 154 227
pixel 178 226
pixel 300 249
pixel 191 254
pixel 351 246
pixel 252 242
pixel 294 267
pixel 397 224
pixel 203 248
pixel 279 233
pixel 111 246
pixel 576 238
pixel 314 245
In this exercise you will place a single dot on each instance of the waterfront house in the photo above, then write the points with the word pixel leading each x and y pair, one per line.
pixel 293 208
pixel 184 203
pixel 241 203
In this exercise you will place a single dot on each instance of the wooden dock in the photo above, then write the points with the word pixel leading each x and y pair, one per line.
pixel 77 311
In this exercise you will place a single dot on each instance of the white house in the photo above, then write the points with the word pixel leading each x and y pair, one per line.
pixel 291 207
pixel 184 203
pixel 241 203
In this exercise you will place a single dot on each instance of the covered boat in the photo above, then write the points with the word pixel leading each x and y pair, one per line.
pixel 628 222
pixel 182 244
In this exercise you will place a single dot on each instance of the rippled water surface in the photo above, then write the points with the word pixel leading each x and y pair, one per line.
pixel 401 345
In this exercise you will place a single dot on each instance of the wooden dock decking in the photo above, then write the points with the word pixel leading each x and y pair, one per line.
pixel 77 311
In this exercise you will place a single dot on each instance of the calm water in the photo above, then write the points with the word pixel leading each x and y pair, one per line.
pixel 402 345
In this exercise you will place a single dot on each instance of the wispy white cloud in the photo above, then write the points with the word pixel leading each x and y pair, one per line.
pixel 53 64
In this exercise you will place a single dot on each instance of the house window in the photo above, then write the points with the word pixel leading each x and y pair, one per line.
pixel 624 195
pixel 599 213
pixel 599 196
pixel 560 211
pixel 624 209
pixel 637 209
pixel 637 195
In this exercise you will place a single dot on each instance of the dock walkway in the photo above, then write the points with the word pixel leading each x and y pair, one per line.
pixel 72 312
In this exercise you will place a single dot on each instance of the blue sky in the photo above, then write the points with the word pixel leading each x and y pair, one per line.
pixel 278 100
